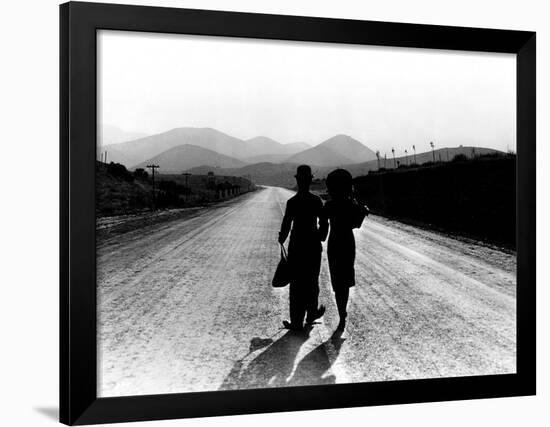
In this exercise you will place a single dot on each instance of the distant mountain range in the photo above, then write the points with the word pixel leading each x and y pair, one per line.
pixel 133 153
pixel 201 150
pixel 338 150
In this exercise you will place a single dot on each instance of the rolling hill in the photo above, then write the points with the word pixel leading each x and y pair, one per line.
pixel 184 157
pixel 133 152
pixel 350 148
pixel 319 156
pixel 336 151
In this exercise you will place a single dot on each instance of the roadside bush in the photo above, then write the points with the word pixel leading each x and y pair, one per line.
pixel 141 173
pixel 476 197
pixel 460 158
pixel 119 171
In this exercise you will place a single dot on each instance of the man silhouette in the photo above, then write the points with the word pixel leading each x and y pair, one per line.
pixel 304 214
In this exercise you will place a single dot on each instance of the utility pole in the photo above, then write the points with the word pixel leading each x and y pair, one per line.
pixel 433 149
pixel 378 158
pixel 414 149
pixel 153 167
pixel 187 190
pixel 393 152
pixel 406 158
pixel 385 160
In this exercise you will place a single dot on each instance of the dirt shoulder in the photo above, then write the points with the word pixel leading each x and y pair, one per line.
pixel 109 226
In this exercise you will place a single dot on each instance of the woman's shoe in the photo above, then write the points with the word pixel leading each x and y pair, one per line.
pixel 342 324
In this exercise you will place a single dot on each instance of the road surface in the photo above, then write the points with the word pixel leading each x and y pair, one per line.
pixel 187 306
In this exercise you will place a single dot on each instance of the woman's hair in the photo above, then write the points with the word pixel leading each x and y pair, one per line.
pixel 340 183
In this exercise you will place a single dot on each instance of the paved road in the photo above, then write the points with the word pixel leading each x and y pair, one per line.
pixel 187 305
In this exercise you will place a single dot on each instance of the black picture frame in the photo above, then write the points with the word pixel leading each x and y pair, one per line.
pixel 79 23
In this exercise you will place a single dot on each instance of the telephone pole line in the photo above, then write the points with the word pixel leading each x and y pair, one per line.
pixel 187 190
pixel 153 167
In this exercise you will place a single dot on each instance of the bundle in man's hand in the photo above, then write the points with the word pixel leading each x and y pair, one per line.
pixel 283 273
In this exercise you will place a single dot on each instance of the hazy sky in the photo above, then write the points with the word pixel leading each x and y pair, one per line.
pixel 295 91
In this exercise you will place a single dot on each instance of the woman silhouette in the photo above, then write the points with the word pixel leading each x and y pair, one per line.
pixel 344 214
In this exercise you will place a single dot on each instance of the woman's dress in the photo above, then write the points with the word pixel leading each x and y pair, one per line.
pixel 344 216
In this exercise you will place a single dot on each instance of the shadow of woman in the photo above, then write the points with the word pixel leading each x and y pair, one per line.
pixel 314 368
pixel 274 366
pixel 271 368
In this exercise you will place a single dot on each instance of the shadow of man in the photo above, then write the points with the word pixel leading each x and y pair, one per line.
pixel 271 368
pixel 314 368
pixel 274 366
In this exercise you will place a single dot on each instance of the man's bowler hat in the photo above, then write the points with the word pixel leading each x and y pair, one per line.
pixel 303 171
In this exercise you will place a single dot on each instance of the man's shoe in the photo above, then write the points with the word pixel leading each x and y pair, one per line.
pixel 317 315
pixel 291 327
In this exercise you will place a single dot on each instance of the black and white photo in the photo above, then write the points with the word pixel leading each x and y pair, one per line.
pixel 383 177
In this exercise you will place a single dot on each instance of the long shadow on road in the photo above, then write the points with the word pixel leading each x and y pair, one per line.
pixel 273 367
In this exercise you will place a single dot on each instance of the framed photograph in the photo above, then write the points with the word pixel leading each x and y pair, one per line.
pixel 267 213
